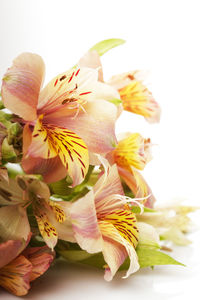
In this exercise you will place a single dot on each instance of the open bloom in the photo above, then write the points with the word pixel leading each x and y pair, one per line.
pixel 103 221
pixel 132 153
pixel 62 121
pixel 135 96
pixel 17 272
pixel 51 216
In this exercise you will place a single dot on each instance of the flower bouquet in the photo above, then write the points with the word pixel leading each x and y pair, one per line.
pixel 69 188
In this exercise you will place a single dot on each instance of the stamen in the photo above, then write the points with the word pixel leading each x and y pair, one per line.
pixel 120 199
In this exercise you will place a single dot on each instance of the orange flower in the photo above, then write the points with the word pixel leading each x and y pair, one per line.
pixel 16 275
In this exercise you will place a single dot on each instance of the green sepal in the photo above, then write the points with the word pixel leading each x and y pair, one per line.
pixel 137 210
pixel 105 45
pixel 5 119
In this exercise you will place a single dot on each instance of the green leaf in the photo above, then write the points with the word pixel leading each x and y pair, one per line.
pixel 1 105
pixel 61 189
pixel 104 46
pixel 5 118
pixel 151 257
pixel 80 256
pixel 116 101
pixel 147 258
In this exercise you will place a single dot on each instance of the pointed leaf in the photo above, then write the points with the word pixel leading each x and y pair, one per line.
pixel 116 101
pixel 151 257
pixel 105 45
pixel 83 257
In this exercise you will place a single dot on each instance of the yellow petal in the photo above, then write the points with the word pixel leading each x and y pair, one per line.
pixel 132 151
pixel 58 211
pixel 114 254
pixel 49 141
pixel 125 222
pixel 138 99
pixel 47 230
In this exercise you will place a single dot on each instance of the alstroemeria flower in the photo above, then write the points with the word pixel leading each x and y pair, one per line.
pixel 135 96
pixel 131 153
pixel 63 120
pixel 103 221
pixel 51 216
pixel 16 275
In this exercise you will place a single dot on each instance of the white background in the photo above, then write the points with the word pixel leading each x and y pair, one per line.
pixel 163 38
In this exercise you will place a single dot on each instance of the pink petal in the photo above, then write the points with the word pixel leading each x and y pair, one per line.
pixel 9 250
pixel 14 224
pixel 108 187
pixel 64 90
pixel 114 254
pixel 96 126
pixel 21 85
pixel 85 225
pixel 40 258
pixel 105 91
pixel 52 169
pixel 92 60
pixel 15 277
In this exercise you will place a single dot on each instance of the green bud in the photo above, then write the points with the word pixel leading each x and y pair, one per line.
pixel 15 129
pixel 8 152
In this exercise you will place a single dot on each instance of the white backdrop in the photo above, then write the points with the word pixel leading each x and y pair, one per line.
pixel 162 38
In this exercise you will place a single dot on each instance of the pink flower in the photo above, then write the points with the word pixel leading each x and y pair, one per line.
pixel 131 154
pixel 135 96
pixel 62 121
pixel 103 221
